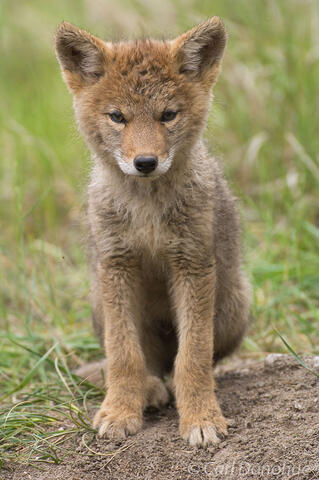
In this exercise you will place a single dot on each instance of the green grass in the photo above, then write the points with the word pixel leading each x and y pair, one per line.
pixel 264 124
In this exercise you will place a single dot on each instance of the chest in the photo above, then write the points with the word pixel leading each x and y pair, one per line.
pixel 152 225
pixel 148 230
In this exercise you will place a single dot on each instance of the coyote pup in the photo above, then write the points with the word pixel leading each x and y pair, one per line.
pixel 168 291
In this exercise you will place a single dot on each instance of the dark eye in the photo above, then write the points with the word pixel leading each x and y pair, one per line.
pixel 168 116
pixel 117 117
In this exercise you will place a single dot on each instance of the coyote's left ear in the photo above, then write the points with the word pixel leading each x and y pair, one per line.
pixel 199 51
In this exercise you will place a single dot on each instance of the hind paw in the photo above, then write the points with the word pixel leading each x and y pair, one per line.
pixel 156 392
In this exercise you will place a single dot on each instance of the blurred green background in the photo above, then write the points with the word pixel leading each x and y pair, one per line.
pixel 264 126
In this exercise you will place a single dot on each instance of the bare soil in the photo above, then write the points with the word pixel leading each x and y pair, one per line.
pixel 274 408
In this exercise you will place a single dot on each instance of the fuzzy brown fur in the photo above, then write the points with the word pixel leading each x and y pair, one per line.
pixel 168 292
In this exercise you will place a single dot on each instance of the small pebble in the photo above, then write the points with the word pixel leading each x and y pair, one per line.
pixel 273 358
pixel 315 362
pixel 111 446
pixel 298 406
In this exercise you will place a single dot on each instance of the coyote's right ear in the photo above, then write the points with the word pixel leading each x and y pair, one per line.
pixel 82 57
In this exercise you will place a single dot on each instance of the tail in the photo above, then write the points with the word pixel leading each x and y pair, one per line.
pixel 93 372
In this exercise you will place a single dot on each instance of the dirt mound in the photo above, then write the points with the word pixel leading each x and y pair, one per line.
pixel 274 434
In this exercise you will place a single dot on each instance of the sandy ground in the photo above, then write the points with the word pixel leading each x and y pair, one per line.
pixel 274 407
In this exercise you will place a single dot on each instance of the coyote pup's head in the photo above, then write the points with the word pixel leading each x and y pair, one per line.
pixel 141 105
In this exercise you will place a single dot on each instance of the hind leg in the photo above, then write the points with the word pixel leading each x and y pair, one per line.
pixel 159 346
pixel 156 391
pixel 232 316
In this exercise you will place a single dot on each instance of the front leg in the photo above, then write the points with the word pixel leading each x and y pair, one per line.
pixel 193 287
pixel 121 411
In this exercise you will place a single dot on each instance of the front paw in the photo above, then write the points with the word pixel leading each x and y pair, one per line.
pixel 116 424
pixel 203 431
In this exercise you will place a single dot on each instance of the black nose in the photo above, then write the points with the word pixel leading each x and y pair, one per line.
pixel 145 164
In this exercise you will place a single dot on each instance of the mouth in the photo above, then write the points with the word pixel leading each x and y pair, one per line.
pixel 144 177
pixel 147 174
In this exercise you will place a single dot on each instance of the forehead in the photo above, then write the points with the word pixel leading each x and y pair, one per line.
pixel 141 71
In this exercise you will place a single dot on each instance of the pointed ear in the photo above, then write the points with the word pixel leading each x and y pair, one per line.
pixel 200 50
pixel 82 57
